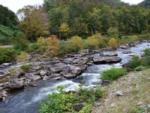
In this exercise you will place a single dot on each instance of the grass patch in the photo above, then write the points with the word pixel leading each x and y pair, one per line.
pixel 26 68
pixel 113 73
pixel 134 63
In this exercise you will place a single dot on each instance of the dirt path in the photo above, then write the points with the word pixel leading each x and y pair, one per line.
pixel 134 95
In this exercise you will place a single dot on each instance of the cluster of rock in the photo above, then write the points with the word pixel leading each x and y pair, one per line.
pixel 69 67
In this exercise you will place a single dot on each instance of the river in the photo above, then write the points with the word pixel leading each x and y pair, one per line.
pixel 29 99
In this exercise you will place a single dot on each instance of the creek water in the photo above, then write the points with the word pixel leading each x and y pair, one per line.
pixel 29 99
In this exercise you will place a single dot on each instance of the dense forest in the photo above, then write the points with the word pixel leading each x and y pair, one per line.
pixel 66 18
pixel 83 17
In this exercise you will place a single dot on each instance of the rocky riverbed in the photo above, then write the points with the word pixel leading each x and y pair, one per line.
pixel 71 71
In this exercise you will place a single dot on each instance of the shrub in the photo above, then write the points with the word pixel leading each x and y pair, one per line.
pixel 20 42
pixel 63 46
pixel 94 42
pixel 42 44
pixel 53 46
pixel 129 39
pixel 146 58
pixel 147 52
pixel 7 55
pixel 75 44
pixel 58 103
pixel 48 46
pixel 64 102
pixel 113 43
pixel 113 74
pixel 144 36
pixel 33 47
pixel 134 62
pixel 23 57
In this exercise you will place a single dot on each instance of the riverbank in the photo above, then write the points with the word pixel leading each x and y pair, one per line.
pixel 129 94
pixel 33 91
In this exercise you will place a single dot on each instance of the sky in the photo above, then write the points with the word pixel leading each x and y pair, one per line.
pixel 15 5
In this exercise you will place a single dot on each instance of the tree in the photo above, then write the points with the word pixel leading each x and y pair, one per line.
pixel 7 17
pixel 34 22
pixel 64 29
pixel 113 32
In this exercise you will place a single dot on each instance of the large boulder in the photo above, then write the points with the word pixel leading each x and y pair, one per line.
pixel 106 59
pixel 71 71
pixel 43 72
pixel 57 68
pixel 109 53
pixel 81 61
pixel 32 76
pixel 16 83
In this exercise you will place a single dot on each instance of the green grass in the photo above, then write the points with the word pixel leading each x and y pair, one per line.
pixel 7 55
pixel 134 62
pixel 113 74
pixel 26 68
pixel 6 34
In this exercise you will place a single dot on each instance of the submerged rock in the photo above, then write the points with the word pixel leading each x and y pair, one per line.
pixel 16 83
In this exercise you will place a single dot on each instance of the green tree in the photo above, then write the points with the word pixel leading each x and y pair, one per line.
pixel 34 22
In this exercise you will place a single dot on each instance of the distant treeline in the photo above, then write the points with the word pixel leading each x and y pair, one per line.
pixel 66 18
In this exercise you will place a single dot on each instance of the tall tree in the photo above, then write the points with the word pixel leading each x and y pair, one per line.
pixel 34 22
pixel 7 17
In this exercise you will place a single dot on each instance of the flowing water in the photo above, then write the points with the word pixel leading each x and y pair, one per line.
pixel 28 100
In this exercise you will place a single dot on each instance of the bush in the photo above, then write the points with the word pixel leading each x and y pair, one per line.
pixel 20 42
pixel 144 36
pixel 48 46
pixel 113 43
pixel 134 62
pixel 146 52
pixel 129 39
pixel 94 42
pixel 58 103
pixel 42 44
pixel 64 102
pixel 75 44
pixel 53 46
pixel 7 55
pixel 23 57
pixel 26 68
pixel 146 58
pixel 113 74
pixel 33 47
